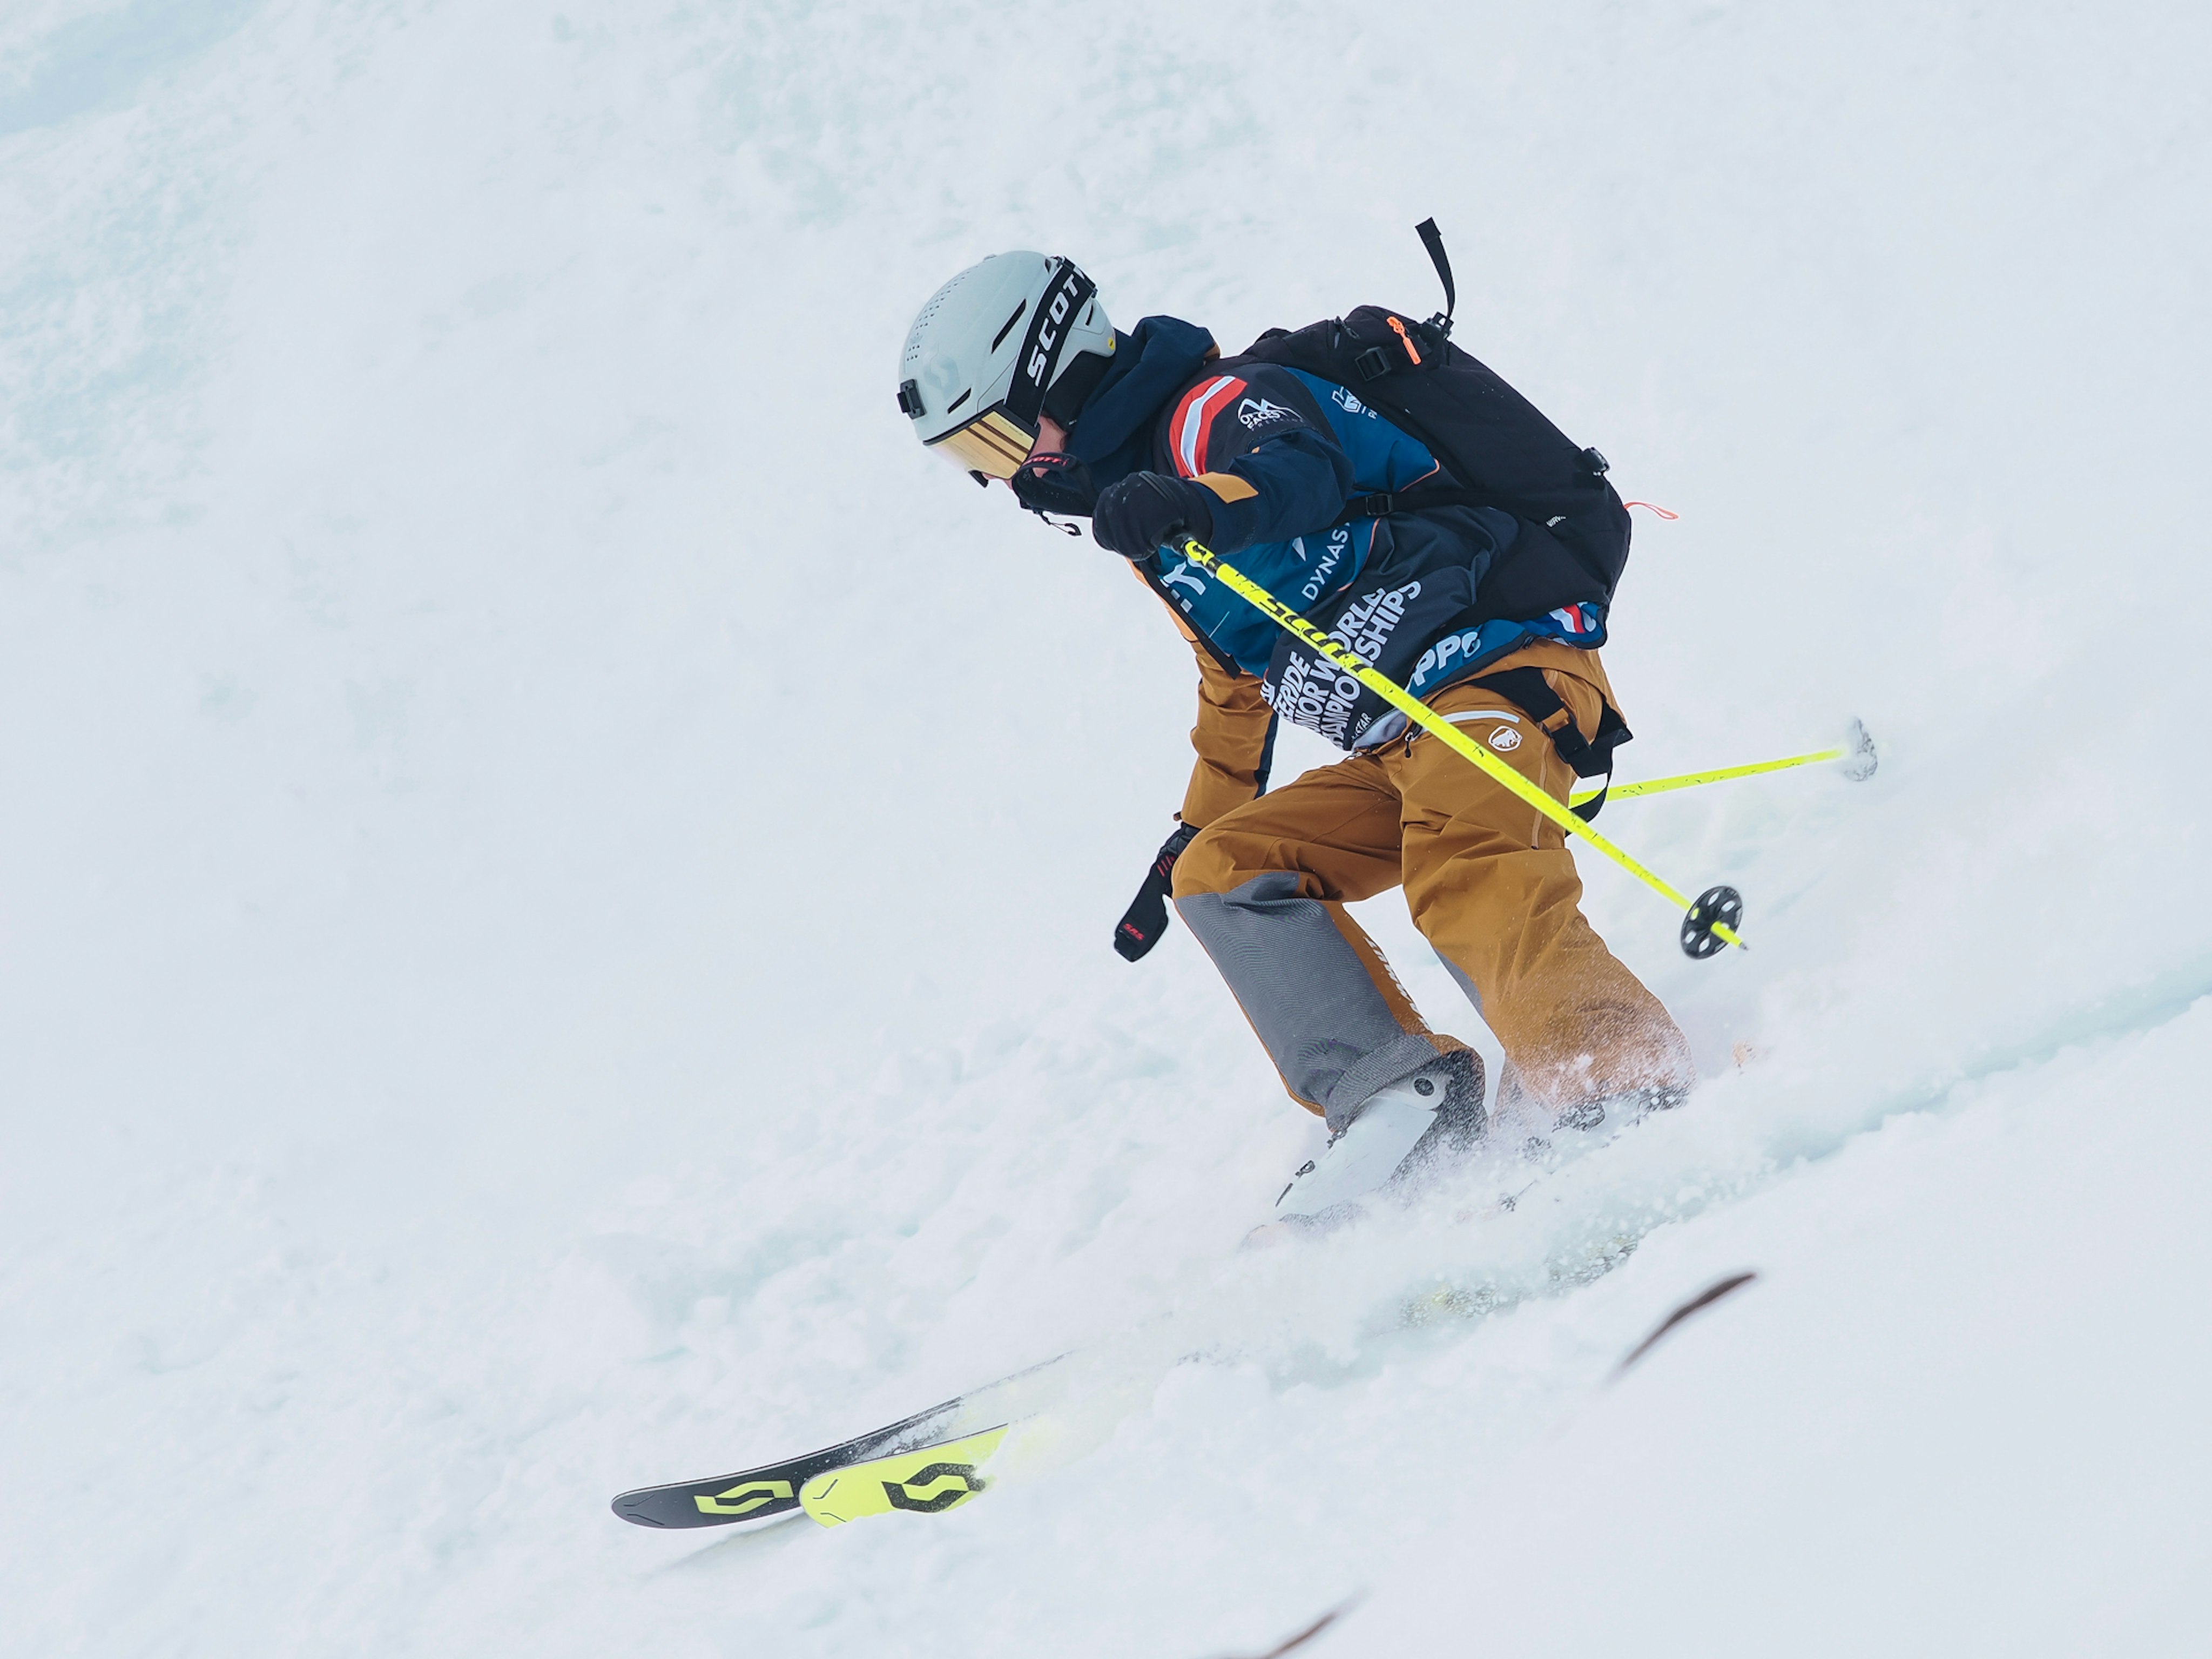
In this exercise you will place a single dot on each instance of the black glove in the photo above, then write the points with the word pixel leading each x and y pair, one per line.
pixel 1140 929
pixel 1055 483
pixel 1136 517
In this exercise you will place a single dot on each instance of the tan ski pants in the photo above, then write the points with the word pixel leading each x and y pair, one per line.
pixel 1490 883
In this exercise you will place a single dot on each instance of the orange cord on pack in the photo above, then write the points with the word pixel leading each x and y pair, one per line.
pixel 1653 507
pixel 1407 340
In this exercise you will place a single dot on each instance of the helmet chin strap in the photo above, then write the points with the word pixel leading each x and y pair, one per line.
pixel 1068 527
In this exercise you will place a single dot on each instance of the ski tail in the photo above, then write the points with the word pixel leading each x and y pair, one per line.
pixel 773 1489
pixel 776 1489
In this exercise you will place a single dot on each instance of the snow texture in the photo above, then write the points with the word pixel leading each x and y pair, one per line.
pixel 556 872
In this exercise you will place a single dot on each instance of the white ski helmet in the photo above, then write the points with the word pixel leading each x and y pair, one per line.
pixel 991 347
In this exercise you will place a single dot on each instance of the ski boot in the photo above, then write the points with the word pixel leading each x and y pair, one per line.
pixel 1400 1137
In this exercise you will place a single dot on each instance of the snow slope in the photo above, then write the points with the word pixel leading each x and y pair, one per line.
pixel 556 872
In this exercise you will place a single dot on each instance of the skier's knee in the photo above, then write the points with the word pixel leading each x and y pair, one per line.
pixel 1206 865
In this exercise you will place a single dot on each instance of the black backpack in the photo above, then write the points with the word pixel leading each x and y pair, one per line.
pixel 1498 447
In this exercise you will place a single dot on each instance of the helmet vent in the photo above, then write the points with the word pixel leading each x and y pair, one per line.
pixel 1006 327
pixel 959 400
pixel 921 323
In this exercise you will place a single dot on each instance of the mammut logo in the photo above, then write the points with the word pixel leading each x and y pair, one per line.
pixel 753 1495
pixel 1257 412
pixel 906 1494
pixel 1504 740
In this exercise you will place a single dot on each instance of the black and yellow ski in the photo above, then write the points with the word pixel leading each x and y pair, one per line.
pixel 773 1489
pixel 896 1465
pixel 926 1482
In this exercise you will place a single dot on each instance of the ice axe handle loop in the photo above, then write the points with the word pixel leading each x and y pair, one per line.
pixel 1710 924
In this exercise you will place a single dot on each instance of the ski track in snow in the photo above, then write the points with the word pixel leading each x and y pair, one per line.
pixel 556 883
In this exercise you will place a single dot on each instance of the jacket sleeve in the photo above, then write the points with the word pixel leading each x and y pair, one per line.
pixel 1255 440
pixel 1234 738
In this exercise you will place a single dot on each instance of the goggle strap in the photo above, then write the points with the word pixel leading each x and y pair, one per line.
pixel 1069 291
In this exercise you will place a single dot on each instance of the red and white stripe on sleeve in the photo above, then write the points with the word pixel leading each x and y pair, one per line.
pixel 1194 418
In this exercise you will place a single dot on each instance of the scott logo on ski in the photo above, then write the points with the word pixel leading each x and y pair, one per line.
pixel 747 1497
pixel 904 1494
pixel 928 1482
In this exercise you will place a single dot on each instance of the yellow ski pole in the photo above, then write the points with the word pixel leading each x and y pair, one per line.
pixel 1708 922
pixel 1859 751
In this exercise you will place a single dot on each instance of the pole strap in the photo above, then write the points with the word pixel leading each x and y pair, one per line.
pixel 1434 724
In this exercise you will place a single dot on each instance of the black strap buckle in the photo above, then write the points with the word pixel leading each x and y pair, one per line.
pixel 1573 747
pixel 1373 363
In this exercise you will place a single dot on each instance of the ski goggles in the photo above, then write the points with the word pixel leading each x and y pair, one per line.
pixel 994 443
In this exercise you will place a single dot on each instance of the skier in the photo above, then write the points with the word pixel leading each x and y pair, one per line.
pixel 1013 371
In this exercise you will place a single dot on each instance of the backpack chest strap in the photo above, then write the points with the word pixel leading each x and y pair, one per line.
pixel 1412 499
